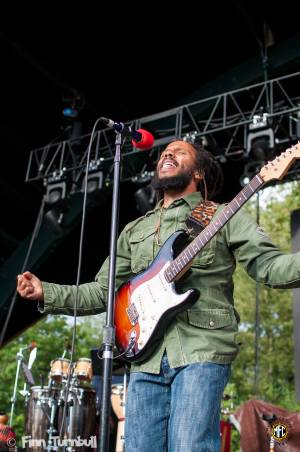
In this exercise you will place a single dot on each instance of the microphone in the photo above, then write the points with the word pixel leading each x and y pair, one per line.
pixel 141 138
pixel 32 345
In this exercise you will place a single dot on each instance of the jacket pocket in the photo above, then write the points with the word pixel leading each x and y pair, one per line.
pixel 206 256
pixel 210 318
pixel 141 246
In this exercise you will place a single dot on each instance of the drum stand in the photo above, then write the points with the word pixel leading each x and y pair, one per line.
pixel 20 358
pixel 52 430
pixel 69 417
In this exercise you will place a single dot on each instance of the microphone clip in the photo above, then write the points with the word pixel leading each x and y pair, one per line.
pixel 141 139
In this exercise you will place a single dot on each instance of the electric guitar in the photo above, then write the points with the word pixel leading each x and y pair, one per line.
pixel 147 303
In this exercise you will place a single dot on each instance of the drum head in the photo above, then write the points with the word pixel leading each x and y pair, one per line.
pixel 83 369
pixel 60 369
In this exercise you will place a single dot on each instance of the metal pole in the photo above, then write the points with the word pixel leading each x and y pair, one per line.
pixel 14 396
pixel 257 319
pixel 109 328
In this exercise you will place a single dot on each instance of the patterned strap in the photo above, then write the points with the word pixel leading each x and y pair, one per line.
pixel 200 217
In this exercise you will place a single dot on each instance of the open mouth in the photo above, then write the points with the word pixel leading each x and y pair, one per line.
pixel 168 164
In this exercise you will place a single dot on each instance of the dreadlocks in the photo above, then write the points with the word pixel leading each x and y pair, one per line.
pixel 211 170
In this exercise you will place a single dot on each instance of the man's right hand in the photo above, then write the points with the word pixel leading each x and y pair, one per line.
pixel 29 286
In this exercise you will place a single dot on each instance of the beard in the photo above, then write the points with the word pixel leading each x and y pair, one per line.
pixel 171 183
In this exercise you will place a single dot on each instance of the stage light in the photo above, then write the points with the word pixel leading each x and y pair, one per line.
pixel 143 178
pixel 190 137
pixel 55 191
pixel 70 112
pixel 94 182
pixel 261 145
pixel 260 139
pixel 73 103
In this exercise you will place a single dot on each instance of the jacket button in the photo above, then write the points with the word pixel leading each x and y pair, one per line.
pixel 211 323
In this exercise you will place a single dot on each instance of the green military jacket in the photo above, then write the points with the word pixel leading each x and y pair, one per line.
pixel 206 331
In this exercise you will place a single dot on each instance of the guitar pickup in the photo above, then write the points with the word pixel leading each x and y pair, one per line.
pixel 132 314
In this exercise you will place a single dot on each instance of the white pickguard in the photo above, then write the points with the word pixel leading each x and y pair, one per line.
pixel 151 300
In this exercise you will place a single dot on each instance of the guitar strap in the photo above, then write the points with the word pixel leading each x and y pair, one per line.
pixel 200 217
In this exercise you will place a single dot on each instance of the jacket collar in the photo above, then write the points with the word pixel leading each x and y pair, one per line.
pixel 192 200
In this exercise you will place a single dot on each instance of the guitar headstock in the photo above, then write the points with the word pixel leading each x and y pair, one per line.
pixel 277 168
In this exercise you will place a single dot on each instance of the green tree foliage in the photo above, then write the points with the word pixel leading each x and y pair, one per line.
pixel 275 346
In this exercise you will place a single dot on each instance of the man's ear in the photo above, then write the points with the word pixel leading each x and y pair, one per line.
pixel 198 175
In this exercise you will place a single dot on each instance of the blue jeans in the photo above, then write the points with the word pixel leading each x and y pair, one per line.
pixel 177 410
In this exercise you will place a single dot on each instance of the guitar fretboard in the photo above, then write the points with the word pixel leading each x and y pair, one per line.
pixel 181 262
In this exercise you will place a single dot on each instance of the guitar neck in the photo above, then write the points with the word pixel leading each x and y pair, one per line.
pixel 182 261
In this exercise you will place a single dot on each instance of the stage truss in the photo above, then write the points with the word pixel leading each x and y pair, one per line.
pixel 223 122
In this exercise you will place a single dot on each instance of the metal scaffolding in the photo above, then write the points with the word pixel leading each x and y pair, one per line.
pixel 224 122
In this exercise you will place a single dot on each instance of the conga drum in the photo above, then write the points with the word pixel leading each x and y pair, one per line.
pixel 60 369
pixel 80 418
pixel 83 369
pixel 41 406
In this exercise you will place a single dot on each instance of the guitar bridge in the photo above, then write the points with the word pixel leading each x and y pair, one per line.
pixel 132 314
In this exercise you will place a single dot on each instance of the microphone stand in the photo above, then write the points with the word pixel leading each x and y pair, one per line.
pixel 109 328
